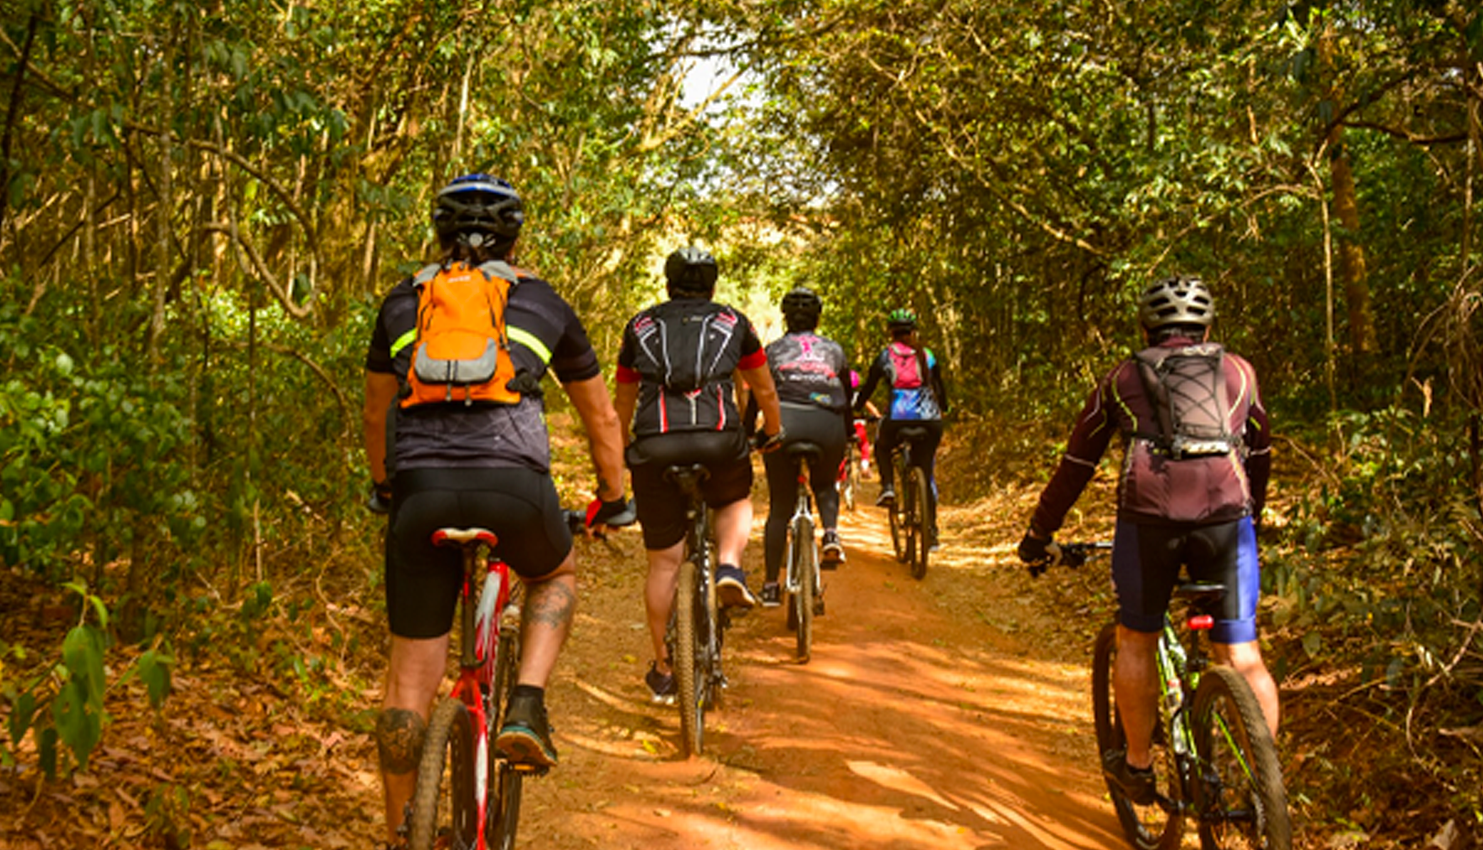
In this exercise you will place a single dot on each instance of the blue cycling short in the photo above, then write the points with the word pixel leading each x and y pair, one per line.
pixel 1146 560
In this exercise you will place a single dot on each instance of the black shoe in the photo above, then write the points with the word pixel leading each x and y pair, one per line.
pixel 772 595
pixel 832 554
pixel 525 739
pixel 661 685
pixel 731 586
pixel 1137 784
pixel 887 497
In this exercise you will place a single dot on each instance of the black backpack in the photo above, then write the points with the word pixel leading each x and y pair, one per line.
pixel 688 344
pixel 687 351
pixel 1187 388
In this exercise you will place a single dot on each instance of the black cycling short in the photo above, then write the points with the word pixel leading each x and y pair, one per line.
pixel 1146 560
pixel 660 503
pixel 422 580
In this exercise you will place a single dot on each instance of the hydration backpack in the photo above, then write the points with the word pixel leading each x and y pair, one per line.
pixel 688 344
pixel 908 366
pixel 461 351
pixel 1187 389
pixel 686 352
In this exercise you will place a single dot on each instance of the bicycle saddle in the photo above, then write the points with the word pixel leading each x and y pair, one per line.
pixel 688 476
pixel 912 434
pixel 1201 595
pixel 460 536
pixel 803 450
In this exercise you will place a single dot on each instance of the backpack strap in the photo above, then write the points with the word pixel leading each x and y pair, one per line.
pixel 425 274
pixel 1149 370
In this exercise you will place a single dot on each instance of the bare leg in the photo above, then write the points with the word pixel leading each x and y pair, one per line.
pixel 1246 659
pixel 1134 684
pixel 659 596
pixel 412 678
pixel 550 603
pixel 733 528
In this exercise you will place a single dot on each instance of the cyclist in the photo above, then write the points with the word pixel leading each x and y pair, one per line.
pixel 676 401
pixel 1193 506
pixel 918 398
pixel 809 372
pixel 482 464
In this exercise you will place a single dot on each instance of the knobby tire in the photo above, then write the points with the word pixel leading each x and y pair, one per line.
pixel 851 479
pixel 803 600
pixel 922 500
pixel 505 783
pixel 686 662
pixel 1240 798
pixel 447 766
pixel 896 513
pixel 1147 827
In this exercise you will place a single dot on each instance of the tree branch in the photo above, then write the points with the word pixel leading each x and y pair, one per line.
pixel 279 292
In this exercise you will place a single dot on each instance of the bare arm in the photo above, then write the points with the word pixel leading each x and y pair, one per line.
pixel 604 434
pixel 381 390
pixel 765 394
pixel 625 399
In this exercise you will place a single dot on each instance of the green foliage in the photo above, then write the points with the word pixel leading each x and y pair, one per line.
pixel 64 705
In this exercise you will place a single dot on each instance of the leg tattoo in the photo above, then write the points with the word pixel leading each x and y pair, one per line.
pixel 550 603
pixel 399 736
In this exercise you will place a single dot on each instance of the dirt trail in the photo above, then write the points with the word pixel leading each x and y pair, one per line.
pixel 923 720
pixel 944 713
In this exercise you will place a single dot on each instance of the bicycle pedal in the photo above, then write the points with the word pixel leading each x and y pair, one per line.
pixel 530 769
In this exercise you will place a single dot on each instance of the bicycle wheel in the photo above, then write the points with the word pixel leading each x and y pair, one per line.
pixel 922 501
pixel 447 767
pixel 896 513
pixel 1240 799
pixel 1156 827
pixel 850 487
pixel 802 610
pixel 686 661
pixel 503 812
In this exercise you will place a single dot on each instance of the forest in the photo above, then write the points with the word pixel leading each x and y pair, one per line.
pixel 201 204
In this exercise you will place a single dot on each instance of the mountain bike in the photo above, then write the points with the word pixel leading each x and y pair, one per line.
pixel 911 512
pixel 1214 758
pixel 481 808
pixel 696 622
pixel 805 588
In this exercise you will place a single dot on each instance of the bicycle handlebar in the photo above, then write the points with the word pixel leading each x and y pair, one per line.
pixel 1070 554
pixel 1075 554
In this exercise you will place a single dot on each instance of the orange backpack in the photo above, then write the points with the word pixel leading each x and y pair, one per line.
pixel 462 350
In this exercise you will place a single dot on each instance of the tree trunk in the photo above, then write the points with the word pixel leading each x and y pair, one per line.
pixel 1352 265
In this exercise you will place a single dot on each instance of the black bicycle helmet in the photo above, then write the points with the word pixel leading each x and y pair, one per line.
pixel 478 205
pixel 801 309
pixel 691 271
pixel 901 319
pixel 1178 300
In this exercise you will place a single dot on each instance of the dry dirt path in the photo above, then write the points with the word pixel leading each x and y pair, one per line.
pixel 935 714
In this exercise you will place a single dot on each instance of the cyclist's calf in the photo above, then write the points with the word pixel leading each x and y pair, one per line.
pixel 1246 659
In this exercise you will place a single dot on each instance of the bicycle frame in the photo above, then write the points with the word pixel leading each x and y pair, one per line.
pixel 1180 666
pixel 803 510
pixel 693 635
pixel 480 624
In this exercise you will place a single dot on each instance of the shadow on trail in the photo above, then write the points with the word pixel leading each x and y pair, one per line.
pixel 920 722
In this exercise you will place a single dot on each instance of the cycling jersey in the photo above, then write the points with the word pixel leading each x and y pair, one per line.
pixel 809 369
pixel 1153 487
pixel 727 343
pixel 913 397
pixel 544 334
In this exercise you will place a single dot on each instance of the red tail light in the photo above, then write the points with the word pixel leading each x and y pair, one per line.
pixel 1201 622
